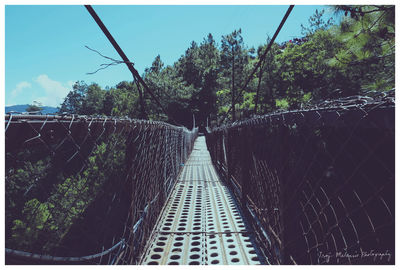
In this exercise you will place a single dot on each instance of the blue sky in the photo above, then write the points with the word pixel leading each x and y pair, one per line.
pixel 45 53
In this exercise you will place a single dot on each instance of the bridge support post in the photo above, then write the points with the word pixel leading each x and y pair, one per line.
pixel 245 161
pixel 225 146
pixel 166 184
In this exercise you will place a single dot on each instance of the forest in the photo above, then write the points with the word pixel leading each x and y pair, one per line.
pixel 356 57
pixel 329 61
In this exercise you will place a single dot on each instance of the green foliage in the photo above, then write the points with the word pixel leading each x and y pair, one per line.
pixel 20 184
pixel 316 22
pixel 92 102
pixel 122 101
pixel 354 57
pixel 223 97
pixel 35 216
pixel 248 101
pixel 282 104
pixel 42 226
pixel 367 51
pixel 74 100
pixel 306 97
pixel 234 59
pixel 351 58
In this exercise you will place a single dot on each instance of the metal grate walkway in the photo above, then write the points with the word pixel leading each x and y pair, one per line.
pixel 200 223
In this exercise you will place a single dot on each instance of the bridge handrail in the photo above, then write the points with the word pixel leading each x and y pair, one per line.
pixel 316 182
pixel 75 150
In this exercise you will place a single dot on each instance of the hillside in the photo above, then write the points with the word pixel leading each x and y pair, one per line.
pixel 22 108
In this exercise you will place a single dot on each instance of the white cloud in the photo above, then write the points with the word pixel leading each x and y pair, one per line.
pixel 42 89
pixel 18 89
pixel 55 91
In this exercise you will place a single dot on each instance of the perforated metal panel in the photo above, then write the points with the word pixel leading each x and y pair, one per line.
pixel 201 223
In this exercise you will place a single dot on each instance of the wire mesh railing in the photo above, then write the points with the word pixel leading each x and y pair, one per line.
pixel 318 184
pixel 86 190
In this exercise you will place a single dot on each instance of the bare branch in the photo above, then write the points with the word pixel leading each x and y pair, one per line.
pixel 106 65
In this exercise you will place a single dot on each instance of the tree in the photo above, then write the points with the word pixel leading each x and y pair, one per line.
pixel 304 69
pixel 35 107
pixel 316 22
pixel 203 100
pixel 267 82
pixel 199 69
pixel 72 103
pixel 332 61
pixel 368 50
pixel 92 102
pixel 233 60
pixel 123 100
pixel 156 79
pixel 172 90
pixel 157 65
pixel 191 67
pixel 40 225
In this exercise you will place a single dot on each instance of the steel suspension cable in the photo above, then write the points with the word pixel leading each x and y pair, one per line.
pixel 262 58
pixel 128 63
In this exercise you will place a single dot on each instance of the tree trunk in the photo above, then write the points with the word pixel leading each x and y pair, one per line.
pixel 233 86
pixel 258 87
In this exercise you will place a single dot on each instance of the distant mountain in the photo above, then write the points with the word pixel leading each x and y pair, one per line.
pixel 22 108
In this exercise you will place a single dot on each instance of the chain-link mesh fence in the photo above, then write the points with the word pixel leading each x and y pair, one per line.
pixel 318 184
pixel 87 189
